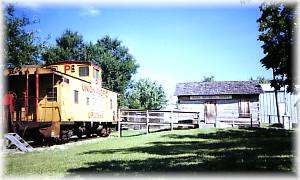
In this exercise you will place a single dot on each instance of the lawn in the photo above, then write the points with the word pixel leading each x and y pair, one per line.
pixel 187 151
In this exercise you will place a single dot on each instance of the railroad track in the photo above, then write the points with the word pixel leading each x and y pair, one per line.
pixel 71 140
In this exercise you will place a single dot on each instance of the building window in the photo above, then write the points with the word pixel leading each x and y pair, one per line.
pixel 75 97
pixel 87 101
pixel 244 109
pixel 83 71
pixel 96 74
pixel 52 94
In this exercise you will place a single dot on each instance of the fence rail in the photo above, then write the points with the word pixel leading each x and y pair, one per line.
pixel 174 119
pixel 155 117
pixel 285 120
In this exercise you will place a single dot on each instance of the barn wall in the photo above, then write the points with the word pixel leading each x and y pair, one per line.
pixel 287 102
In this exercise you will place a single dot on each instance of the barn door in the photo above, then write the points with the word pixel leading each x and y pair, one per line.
pixel 210 111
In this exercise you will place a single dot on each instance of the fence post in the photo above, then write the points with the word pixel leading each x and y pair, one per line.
pixel 120 128
pixel 119 123
pixel 269 119
pixel 147 121
pixel 171 120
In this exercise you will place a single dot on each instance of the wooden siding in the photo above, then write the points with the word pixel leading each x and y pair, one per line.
pixel 287 102
pixel 227 109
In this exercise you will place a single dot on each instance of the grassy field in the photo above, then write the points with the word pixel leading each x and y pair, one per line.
pixel 187 151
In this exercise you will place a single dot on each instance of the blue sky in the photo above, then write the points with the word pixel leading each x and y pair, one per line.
pixel 171 44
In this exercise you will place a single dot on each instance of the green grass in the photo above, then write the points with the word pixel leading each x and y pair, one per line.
pixel 187 151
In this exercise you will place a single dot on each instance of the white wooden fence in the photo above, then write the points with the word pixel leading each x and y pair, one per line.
pixel 174 119
pixel 160 118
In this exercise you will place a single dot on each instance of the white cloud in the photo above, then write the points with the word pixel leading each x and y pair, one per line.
pixel 90 11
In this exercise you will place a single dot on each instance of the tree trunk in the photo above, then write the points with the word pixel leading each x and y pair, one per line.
pixel 276 100
pixel 277 108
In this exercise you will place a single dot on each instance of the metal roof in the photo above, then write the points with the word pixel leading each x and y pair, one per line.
pixel 75 62
pixel 217 88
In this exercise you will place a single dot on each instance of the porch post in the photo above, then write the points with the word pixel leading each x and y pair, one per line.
pixel 36 94
pixel 199 120
pixel 251 123
pixel 172 121
pixel 26 93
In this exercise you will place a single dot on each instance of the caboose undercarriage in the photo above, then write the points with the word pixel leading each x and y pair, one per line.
pixel 55 131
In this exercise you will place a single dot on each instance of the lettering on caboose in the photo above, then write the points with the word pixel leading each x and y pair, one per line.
pixel 96 115
pixel 94 90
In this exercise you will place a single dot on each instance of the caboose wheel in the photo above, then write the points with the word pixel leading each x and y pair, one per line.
pixel 108 131
pixel 103 132
pixel 66 135
pixel 79 132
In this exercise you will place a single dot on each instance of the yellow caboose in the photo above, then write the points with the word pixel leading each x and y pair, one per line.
pixel 59 100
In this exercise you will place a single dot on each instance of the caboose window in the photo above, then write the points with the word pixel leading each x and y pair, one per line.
pixel 96 73
pixel 52 94
pixel 75 97
pixel 83 71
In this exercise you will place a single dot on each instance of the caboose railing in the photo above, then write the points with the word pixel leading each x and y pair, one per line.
pixel 23 113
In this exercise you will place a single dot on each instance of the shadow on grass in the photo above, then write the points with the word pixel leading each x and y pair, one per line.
pixel 246 150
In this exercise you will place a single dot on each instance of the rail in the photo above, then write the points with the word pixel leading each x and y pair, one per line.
pixel 284 119
pixel 144 118
pixel 237 120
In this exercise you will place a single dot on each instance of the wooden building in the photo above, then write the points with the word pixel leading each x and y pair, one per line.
pixel 287 106
pixel 221 102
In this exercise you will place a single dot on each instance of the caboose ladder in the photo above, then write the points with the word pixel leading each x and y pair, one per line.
pixel 15 139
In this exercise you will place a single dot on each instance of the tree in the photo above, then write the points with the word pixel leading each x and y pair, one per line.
pixel 69 46
pixel 21 45
pixel 208 78
pixel 276 27
pixel 145 94
pixel 119 68
pixel 260 80
pixel 117 64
